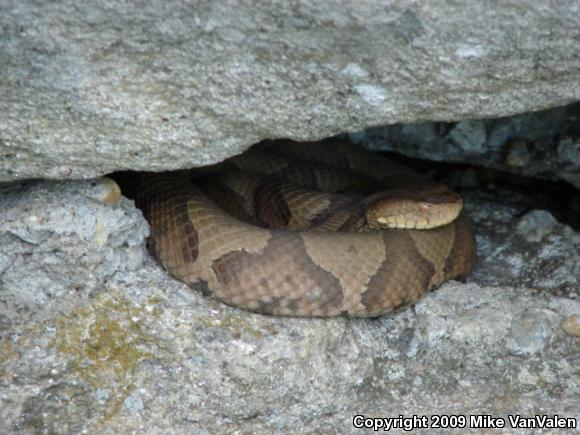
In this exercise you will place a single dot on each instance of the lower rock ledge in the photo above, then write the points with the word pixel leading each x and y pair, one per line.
pixel 96 335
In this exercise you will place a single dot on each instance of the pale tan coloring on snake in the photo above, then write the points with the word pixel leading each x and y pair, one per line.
pixel 317 247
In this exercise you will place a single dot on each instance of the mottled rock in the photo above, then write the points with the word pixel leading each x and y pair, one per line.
pixel 535 251
pixel 62 241
pixel 92 88
pixel 96 337
pixel 571 325
pixel 535 225
pixel 530 332
pixel 135 350
pixel 543 144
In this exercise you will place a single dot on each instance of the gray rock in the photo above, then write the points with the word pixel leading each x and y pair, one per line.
pixel 96 337
pixel 469 136
pixel 535 225
pixel 531 332
pixel 535 251
pixel 571 325
pixel 92 88
pixel 543 144
pixel 133 350
pixel 62 241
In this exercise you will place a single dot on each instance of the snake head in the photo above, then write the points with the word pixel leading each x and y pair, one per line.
pixel 415 207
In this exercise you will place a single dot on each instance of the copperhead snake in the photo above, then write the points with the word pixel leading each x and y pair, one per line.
pixel 317 248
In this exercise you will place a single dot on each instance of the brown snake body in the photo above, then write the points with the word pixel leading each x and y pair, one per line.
pixel 320 254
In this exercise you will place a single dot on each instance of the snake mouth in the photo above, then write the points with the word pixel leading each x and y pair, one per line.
pixel 421 209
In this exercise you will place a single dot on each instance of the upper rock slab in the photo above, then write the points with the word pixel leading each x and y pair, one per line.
pixel 88 88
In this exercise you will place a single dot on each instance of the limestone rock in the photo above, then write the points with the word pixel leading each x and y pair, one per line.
pixel 92 88
pixel 543 144
pixel 61 243
pixel 94 335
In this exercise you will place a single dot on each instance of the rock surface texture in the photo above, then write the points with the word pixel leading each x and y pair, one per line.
pixel 96 338
pixel 159 84
pixel 544 144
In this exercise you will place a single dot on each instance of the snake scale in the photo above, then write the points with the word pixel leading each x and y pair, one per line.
pixel 291 229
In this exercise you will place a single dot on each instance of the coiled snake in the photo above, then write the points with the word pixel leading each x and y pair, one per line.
pixel 316 247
